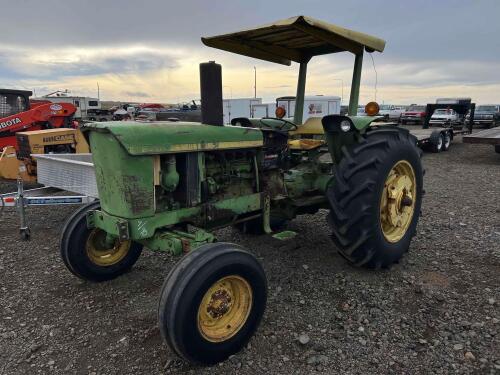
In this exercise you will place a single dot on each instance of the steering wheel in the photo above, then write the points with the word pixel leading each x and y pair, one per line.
pixel 291 125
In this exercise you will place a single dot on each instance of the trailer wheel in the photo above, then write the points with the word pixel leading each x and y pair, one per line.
pixel 85 254
pixel 375 198
pixel 212 302
pixel 446 141
pixel 436 141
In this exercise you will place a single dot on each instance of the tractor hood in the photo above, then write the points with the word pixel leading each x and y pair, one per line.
pixel 149 138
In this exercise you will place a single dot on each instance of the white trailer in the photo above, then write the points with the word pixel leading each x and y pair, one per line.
pixel 85 106
pixel 263 110
pixel 241 107
pixel 314 106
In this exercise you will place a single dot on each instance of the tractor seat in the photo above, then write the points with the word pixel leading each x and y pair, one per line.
pixel 311 127
pixel 305 144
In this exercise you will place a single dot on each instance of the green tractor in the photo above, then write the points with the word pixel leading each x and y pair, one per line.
pixel 167 185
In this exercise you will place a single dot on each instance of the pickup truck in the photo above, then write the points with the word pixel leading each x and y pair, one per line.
pixel 390 111
pixel 486 115
pixel 414 114
pixel 444 117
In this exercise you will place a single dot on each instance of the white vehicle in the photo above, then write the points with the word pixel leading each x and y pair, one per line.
pixel 390 111
pixel 264 110
pixel 361 111
pixel 444 117
pixel 314 106
pixel 86 107
pixel 241 107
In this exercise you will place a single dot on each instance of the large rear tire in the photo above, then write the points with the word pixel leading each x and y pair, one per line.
pixel 376 198
pixel 212 302
pixel 85 254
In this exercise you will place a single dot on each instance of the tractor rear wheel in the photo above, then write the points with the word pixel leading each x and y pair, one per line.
pixel 376 197
pixel 85 253
pixel 212 302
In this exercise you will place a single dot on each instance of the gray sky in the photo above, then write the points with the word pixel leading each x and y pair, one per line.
pixel 149 50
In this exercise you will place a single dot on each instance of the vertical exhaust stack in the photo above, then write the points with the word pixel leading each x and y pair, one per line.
pixel 211 94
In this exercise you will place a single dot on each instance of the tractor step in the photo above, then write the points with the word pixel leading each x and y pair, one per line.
pixel 285 235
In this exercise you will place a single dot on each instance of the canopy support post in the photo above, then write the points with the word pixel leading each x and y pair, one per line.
pixel 299 98
pixel 356 82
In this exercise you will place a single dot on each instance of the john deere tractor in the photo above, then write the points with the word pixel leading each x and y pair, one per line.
pixel 167 185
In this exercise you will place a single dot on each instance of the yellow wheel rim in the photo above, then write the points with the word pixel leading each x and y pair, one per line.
pixel 102 254
pixel 225 308
pixel 398 199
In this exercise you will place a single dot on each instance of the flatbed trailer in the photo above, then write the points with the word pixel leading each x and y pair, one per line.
pixel 69 179
pixel 436 139
pixel 488 136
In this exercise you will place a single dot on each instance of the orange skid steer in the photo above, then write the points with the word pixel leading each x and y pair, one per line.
pixel 18 115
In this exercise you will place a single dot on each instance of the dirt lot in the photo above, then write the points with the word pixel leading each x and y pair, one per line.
pixel 437 311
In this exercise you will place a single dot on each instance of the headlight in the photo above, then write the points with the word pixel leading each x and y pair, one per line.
pixel 345 125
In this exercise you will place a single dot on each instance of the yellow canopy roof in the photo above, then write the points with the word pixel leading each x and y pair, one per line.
pixel 294 39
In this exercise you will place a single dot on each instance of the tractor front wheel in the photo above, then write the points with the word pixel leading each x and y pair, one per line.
pixel 376 197
pixel 212 302
pixel 88 254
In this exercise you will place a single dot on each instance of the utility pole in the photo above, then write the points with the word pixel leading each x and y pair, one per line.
pixel 98 93
pixel 255 82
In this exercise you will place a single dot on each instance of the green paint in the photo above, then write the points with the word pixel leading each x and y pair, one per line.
pixel 301 89
pixel 204 215
pixel 124 182
pixel 169 175
pixel 285 235
pixel 177 242
pixel 169 137
pixel 356 82
pixel 362 123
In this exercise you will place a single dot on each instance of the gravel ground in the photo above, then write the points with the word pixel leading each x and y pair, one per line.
pixel 437 311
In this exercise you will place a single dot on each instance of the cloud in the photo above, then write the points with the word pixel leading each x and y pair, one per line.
pixel 137 94
pixel 62 62
pixel 153 47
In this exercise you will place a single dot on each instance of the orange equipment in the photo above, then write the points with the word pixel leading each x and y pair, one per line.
pixel 16 114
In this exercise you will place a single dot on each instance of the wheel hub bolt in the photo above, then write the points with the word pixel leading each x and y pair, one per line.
pixel 406 201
